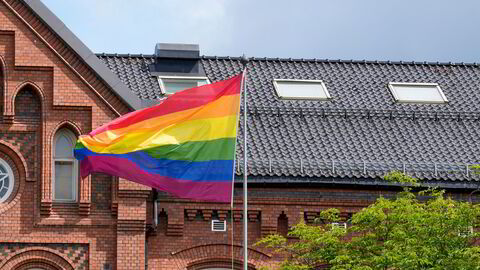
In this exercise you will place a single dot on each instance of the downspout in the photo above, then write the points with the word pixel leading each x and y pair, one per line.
pixel 155 223
pixel 146 252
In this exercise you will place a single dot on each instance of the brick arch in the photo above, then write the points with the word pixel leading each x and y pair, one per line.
pixel 36 264
pixel 68 125
pixel 196 255
pixel 19 166
pixel 37 256
pixel 25 96
pixel 218 263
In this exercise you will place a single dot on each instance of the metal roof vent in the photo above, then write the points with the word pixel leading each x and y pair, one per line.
pixel 177 50
pixel 219 226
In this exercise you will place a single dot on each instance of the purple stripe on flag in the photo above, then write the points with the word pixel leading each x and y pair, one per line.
pixel 124 168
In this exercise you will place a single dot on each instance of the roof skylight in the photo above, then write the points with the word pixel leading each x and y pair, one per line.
pixel 172 84
pixel 301 89
pixel 417 92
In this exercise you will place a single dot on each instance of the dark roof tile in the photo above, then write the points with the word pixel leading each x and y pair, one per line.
pixel 362 133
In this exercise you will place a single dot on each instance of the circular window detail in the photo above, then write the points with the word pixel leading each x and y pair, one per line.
pixel 7 181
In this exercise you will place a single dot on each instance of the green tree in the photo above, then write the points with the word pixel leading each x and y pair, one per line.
pixel 422 229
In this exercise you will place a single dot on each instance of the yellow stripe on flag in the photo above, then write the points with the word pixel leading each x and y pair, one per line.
pixel 193 130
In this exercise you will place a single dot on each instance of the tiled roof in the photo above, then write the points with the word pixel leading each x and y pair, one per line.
pixel 134 72
pixel 360 134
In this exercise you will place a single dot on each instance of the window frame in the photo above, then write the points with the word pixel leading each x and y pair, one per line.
pixel 180 78
pixel 11 176
pixel 72 137
pixel 322 84
pixel 391 87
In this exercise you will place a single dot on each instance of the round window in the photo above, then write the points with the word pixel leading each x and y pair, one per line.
pixel 6 181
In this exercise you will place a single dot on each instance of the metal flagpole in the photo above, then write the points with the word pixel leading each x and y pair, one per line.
pixel 245 204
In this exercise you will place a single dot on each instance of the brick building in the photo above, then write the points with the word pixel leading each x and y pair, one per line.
pixel 321 134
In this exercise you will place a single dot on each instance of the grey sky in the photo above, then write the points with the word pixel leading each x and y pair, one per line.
pixel 421 30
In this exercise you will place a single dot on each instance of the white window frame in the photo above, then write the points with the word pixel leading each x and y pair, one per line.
pixel 179 78
pixel 391 87
pixel 69 134
pixel 12 180
pixel 322 84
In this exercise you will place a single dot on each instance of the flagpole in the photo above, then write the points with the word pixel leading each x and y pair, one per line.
pixel 245 204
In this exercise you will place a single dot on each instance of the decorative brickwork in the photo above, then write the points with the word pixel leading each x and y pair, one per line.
pixel 207 214
pixel 64 257
pixel 26 143
pixel 77 254
pixel 9 153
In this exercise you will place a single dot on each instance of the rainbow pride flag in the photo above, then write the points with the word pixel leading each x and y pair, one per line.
pixel 184 146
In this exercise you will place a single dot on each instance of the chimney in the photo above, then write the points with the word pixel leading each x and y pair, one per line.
pixel 175 59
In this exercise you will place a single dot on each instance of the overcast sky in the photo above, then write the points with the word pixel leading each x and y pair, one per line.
pixel 421 30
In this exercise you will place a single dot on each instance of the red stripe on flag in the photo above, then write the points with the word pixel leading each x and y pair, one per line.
pixel 184 100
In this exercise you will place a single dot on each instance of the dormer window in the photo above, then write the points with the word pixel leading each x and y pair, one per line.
pixel 170 85
pixel 301 89
pixel 417 92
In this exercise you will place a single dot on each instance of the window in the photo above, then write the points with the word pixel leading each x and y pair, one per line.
pixel 301 89
pixel 65 167
pixel 6 181
pixel 171 85
pixel 417 92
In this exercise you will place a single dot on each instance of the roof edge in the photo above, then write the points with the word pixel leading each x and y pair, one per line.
pixel 361 181
pixel 90 59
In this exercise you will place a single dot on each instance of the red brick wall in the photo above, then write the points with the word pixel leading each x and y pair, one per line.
pixel 184 238
pixel 40 93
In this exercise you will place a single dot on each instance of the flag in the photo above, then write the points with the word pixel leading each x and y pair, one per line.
pixel 184 146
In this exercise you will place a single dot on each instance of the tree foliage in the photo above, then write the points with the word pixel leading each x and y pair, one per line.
pixel 415 230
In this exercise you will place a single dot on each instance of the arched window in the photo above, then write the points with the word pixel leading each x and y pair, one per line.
pixel 65 169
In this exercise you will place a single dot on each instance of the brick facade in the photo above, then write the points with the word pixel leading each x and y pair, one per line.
pixel 44 86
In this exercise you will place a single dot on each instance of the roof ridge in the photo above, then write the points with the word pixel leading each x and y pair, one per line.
pixel 125 55
pixel 279 59
pixel 401 62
